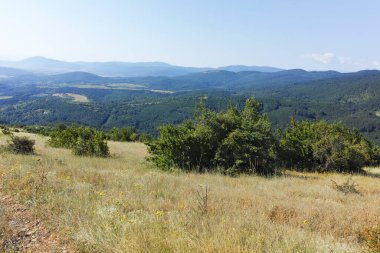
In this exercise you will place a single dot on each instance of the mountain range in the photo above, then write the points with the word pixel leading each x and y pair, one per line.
pixel 42 65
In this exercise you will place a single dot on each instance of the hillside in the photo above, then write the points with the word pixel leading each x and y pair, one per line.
pixel 147 102
pixel 6 73
pixel 244 80
pixel 352 99
pixel 123 204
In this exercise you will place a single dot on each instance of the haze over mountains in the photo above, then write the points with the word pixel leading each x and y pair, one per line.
pixel 44 65
pixel 157 75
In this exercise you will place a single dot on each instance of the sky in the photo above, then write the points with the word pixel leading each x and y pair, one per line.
pixel 314 35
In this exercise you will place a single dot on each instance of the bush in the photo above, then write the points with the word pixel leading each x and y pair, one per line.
pixel 231 142
pixel 347 187
pixel 43 130
pixel 21 145
pixel 123 134
pixel 318 146
pixel 5 130
pixel 83 141
pixel 145 138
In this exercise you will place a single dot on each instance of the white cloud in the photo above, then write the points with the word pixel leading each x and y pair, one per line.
pixel 376 64
pixel 339 62
pixel 324 58
pixel 344 60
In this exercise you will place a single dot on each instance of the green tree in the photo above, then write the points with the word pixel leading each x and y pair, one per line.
pixel 319 146
pixel 250 147
pixel 83 141
pixel 229 141
pixel 123 134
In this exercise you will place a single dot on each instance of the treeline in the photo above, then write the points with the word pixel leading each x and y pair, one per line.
pixel 356 107
pixel 86 141
pixel 232 141
pixel 127 134
pixel 242 141
pixel 115 134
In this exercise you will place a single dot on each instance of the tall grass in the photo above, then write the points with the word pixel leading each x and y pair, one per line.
pixel 122 204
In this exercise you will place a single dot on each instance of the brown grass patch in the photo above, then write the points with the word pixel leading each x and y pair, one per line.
pixel 122 204
pixel 282 214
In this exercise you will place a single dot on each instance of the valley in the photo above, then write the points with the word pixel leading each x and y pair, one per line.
pixel 146 102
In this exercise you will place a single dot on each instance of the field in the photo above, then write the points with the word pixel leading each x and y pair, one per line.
pixel 5 97
pixel 75 97
pixel 112 86
pixel 124 204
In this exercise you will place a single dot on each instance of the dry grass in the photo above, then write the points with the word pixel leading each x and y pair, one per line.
pixel 5 97
pixel 6 233
pixel 121 204
pixel 75 97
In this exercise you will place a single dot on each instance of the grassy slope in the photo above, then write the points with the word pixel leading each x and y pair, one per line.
pixel 122 205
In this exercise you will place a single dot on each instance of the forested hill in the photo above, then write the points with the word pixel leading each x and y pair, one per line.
pixel 147 102
pixel 221 79
pixel 353 99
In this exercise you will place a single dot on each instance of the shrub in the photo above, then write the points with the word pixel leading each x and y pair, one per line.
pixel 43 130
pixel 232 142
pixel 145 138
pixel 21 145
pixel 94 145
pixel 83 141
pixel 347 187
pixel 6 131
pixel 318 146
pixel 123 134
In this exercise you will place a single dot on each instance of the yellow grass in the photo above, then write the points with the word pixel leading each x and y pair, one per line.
pixel 123 204
pixel 5 97
pixel 75 97
pixel 115 86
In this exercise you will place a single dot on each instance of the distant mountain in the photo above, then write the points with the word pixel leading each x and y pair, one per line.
pixel 44 65
pixel 210 79
pixel 239 68
pixel 72 77
pixel 41 65
pixel 357 87
pixel 6 72
pixel 282 78
pixel 245 80
pixel 126 69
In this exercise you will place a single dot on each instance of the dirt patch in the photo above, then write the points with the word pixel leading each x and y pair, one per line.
pixel 21 231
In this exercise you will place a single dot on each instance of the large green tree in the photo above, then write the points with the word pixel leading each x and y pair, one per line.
pixel 319 146
pixel 230 141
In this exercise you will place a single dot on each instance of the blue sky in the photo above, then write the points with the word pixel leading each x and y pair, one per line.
pixel 314 35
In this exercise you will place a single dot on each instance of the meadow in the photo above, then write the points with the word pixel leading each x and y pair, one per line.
pixel 125 204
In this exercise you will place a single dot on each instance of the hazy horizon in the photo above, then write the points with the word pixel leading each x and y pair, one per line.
pixel 325 35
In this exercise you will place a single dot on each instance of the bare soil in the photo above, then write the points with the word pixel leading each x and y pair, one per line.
pixel 23 232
